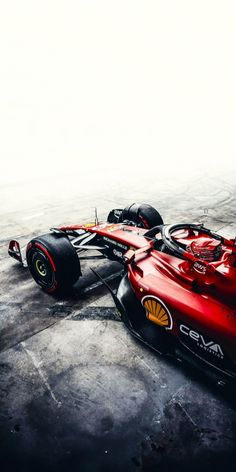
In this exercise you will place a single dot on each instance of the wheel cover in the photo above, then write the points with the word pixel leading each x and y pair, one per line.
pixel 41 268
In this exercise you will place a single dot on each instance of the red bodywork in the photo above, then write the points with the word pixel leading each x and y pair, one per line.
pixel 200 300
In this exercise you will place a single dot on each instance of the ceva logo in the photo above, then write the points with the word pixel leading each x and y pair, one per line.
pixel 209 346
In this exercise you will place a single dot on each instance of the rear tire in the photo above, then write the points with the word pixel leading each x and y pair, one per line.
pixel 53 262
pixel 144 216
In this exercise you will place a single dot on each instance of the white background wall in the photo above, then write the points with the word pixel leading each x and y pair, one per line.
pixel 110 83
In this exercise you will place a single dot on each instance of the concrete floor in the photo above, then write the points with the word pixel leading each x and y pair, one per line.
pixel 77 392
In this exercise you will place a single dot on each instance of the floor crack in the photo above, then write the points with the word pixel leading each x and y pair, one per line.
pixel 37 365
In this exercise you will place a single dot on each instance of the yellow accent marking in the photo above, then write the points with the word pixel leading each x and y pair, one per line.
pixel 89 225
pixel 153 307
pixel 40 268
pixel 155 320
pixel 156 312
pixel 162 313
pixel 159 309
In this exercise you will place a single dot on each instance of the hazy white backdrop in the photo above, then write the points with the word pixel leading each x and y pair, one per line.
pixel 112 84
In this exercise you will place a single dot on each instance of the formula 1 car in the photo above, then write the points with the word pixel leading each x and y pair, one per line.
pixel 178 290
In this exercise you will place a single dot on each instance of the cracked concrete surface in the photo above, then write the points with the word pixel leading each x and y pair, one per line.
pixel 77 392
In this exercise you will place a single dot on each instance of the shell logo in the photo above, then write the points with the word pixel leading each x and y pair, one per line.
pixel 157 312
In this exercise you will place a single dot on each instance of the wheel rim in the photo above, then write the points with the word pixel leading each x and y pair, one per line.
pixel 41 268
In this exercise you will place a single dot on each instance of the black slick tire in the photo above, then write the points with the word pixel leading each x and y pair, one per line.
pixel 53 262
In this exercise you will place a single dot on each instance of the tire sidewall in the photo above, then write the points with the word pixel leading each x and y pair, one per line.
pixel 33 254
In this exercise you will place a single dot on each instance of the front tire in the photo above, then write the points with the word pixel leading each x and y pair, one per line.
pixel 53 262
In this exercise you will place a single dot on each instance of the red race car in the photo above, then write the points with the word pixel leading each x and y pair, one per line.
pixel 178 290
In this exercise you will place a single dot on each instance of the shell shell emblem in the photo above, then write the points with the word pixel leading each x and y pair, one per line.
pixel 157 312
